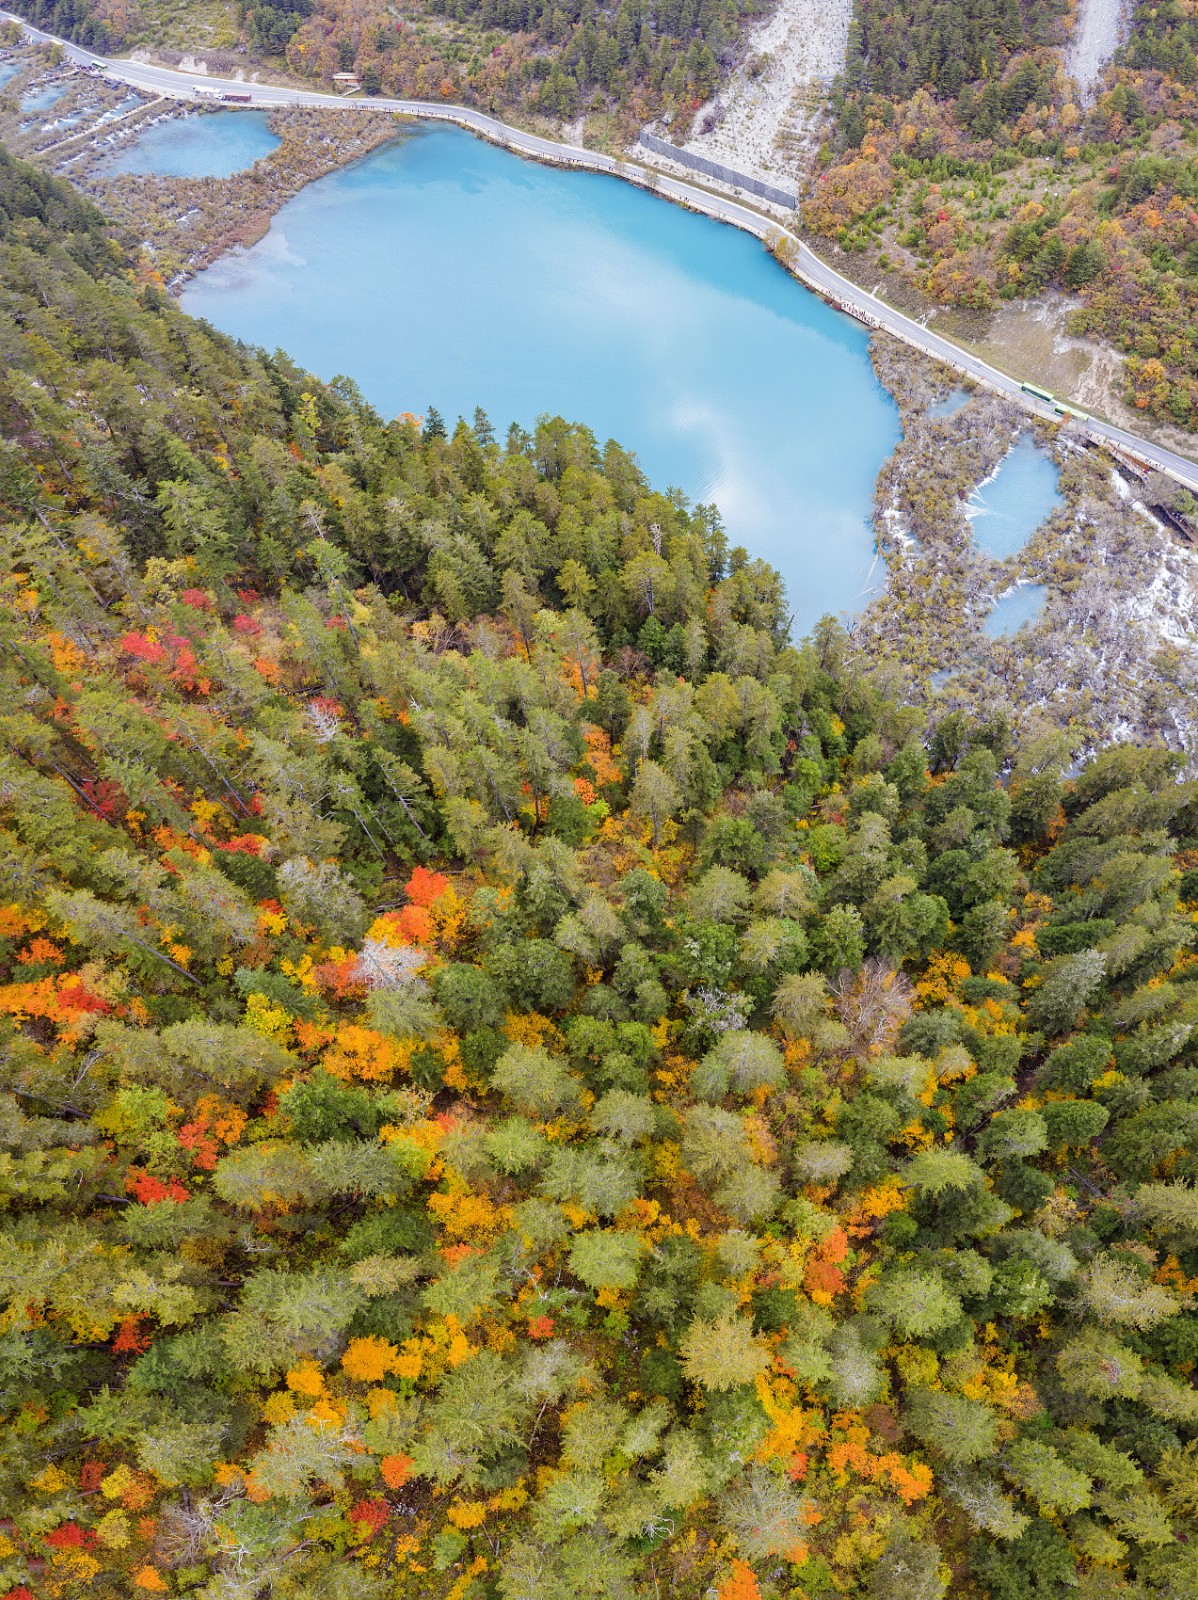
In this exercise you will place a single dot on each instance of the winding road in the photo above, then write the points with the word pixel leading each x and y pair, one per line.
pixel 825 280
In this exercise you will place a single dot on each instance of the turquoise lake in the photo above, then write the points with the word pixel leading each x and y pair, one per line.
pixel 210 144
pixel 42 99
pixel 1011 610
pixel 443 271
pixel 1022 494
pixel 953 402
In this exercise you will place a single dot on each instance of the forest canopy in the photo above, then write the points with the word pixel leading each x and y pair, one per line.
pixel 975 166
pixel 630 59
pixel 518 1079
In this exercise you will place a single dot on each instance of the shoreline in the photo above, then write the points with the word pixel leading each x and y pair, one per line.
pixel 930 607
pixel 233 211
pixel 791 251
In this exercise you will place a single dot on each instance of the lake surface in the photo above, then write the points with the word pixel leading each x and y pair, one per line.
pixel 443 271
pixel 209 144
pixel 1011 610
pixel 41 99
pixel 1022 494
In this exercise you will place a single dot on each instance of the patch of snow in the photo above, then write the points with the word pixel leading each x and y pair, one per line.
pixel 896 529
pixel 1168 603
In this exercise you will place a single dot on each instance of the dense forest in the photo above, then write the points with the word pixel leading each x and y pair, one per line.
pixel 966 159
pixel 899 46
pixel 631 60
pixel 519 1081
pixel 94 23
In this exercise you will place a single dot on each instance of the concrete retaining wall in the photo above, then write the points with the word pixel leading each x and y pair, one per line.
pixel 713 169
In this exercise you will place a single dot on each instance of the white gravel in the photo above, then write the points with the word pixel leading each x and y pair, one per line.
pixel 767 124
pixel 1099 31
pixel 767 121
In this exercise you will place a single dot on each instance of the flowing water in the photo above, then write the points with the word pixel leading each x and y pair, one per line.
pixel 1008 508
pixel 42 99
pixel 121 108
pixel 443 271
pixel 212 144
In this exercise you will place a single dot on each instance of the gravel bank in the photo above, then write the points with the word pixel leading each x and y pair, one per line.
pixel 1101 28
pixel 764 123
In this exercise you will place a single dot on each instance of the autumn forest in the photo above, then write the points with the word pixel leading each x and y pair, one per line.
pixel 520 1081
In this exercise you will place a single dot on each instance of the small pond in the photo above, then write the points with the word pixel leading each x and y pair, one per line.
pixel 1008 508
pixel 1022 603
pixel 951 403
pixel 210 144
pixel 41 99
pixel 8 71
pixel 122 108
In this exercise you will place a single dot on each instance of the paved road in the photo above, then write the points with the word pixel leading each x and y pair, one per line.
pixel 825 279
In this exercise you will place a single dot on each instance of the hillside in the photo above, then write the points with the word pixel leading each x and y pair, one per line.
pixel 518 1080
pixel 620 64
pixel 968 166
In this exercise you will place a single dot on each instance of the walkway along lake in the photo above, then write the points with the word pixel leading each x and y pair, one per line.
pixel 444 271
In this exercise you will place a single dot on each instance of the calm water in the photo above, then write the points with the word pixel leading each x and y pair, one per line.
pixel 1011 610
pixel 1022 494
pixel 443 271
pixel 8 70
pixel 211 144
pixel 40 99
pixel 951 404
